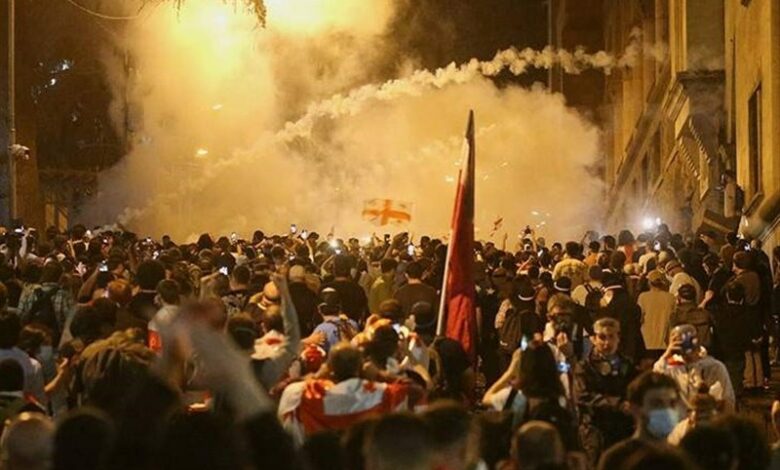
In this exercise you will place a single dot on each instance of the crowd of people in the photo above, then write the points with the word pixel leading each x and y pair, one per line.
pixel 306 352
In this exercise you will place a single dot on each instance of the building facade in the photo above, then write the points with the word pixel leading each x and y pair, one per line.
pixel 664 116
pixel 753 111
pixel 692 127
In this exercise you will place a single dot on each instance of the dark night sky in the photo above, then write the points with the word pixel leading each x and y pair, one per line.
pixel 438 32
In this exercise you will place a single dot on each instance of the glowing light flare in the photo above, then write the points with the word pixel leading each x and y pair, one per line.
pixel 649 223
pixel 201 152
pixel 214 34
pixel 317 16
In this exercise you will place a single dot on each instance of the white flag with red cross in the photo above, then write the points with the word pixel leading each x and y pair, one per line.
pixel 387 211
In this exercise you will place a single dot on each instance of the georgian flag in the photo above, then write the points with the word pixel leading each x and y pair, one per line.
pixel 317 405
pixel 387 211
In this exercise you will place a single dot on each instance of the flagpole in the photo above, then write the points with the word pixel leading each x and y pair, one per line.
pixel 443 297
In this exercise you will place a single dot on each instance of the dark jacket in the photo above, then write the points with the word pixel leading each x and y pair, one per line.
pixel 628 313
pixel 305 301
pixel 731 331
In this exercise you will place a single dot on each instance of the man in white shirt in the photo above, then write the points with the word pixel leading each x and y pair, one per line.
pixel 690 366
pixel 580 293
pixel 679 278
pixel 168 297
pixel 10 328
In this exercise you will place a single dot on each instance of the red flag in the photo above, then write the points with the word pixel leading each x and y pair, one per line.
pixel 458 296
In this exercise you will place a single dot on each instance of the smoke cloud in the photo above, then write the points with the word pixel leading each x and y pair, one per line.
pixel 238 127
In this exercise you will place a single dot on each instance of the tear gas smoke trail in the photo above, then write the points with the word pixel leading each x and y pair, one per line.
pixel 418 82
pixel 517 62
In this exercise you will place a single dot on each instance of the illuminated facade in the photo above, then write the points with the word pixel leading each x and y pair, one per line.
pixel 753 111
pixel 664 117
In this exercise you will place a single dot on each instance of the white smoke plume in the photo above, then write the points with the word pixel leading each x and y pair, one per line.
pixel 216 150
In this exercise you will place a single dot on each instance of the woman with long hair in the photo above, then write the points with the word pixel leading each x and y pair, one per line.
pixel 531 389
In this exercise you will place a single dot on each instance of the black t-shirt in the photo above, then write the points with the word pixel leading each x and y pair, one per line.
pixel 138 312
pixel 718 282
pixel 410 294
pixel 305 301
pixel 354 302
pixel 732 331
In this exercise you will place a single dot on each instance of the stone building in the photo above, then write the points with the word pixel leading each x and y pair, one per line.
pixel 752 103
pixel 664 115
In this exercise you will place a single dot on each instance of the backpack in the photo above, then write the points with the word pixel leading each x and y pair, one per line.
pixel 593 299
pixel 42 312
pixel 700 319
pixel 345 329
pixel 511 333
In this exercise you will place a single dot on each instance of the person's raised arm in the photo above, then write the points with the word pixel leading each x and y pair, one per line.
pixel 85 292
pixel 276 367
pixel 505 380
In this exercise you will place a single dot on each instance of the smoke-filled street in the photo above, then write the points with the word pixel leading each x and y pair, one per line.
pixel 385 234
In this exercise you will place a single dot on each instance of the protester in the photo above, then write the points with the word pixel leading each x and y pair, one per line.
pixel 688 313
pixel 28 443
pixel 531 389
pixel 686 361
pixel 571 266
pixel 703 410
pixel 657 306
pixel 168 297
pixel 353 298
pixel 678 278
pixel 620 307
pixel 13 400
pixel 655 403
pixel 303 407
pixel 602 380
pixel 537 445
pixel 48 303
pixel 335 326
pixel 176 351
pixel 10 329
pixel 589 294
pixel 415 290
pixel 384 287
pixel 732 334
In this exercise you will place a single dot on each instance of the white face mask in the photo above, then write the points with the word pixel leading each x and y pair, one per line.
pixel 662 421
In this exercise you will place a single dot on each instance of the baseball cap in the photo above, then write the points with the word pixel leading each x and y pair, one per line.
pixel 330 302
pixel 563 284
pixel 687 292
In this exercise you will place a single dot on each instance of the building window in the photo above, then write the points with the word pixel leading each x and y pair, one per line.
pixel 754 144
